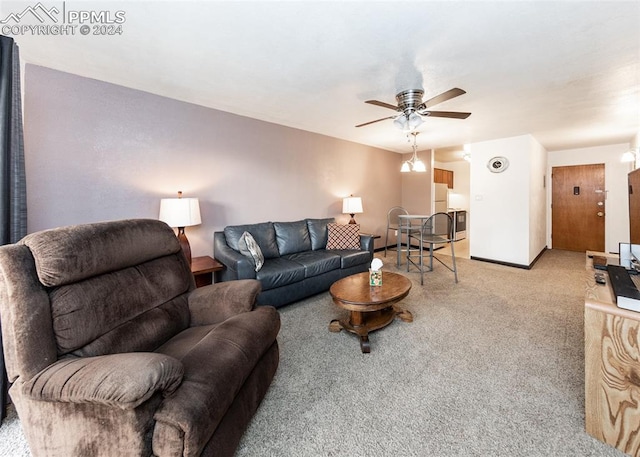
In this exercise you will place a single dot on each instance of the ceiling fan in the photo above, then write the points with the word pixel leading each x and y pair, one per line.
pixel 412 108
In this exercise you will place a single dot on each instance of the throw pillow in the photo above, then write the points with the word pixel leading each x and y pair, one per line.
pixel 343 236
pixel 249 248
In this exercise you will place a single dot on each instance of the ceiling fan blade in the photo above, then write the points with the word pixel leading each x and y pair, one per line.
pixel 377 120
pixel 452 114
pixel 383 104
pixel 443 97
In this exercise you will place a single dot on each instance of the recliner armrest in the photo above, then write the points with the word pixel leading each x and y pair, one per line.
pixel 121 380
pixel 218 302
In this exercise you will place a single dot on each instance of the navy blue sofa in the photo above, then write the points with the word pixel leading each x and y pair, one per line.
pixel 297 263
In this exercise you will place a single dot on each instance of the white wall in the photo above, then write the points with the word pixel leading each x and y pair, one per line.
pixel 507 213
pixel 537 200
pixel 615 175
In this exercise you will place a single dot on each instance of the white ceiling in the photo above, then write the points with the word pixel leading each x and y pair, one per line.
pixel 567 72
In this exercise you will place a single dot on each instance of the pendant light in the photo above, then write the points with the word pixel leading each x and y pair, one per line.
pixel 414 163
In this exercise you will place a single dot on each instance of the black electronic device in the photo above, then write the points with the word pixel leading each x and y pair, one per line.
pixel 625 292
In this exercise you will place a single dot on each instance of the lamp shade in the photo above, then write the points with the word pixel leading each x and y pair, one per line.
pixel 419 166
pixel 352 205
pixel 180 212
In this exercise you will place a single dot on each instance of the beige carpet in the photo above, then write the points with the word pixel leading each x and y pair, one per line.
pixel 491 366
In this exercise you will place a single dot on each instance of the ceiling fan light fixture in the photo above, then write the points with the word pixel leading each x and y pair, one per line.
pixel 411 108
pixel 414 120
pixel 406 168
pixel 408 122
pixel 400 122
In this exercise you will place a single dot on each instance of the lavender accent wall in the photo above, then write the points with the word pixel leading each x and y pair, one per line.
pixel 96 151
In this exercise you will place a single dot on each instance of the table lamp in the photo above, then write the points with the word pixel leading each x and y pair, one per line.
pixel 352 205
pixel 180 213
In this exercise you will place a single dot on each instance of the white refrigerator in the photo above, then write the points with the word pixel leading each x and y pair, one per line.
pixel 441 203
pixel 441 198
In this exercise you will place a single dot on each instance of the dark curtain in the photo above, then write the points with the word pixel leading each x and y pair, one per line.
pixel 13 192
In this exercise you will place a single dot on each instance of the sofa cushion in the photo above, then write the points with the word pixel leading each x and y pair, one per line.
pixel 318 232
pixel 280 272
pixel 351 258
pixel 263 233
pixel 292 237
pixel 250 249
pixel 316 262
pixel 343 236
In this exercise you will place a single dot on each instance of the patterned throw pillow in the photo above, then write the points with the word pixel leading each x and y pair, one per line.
pixel 249 248
pixel 343 236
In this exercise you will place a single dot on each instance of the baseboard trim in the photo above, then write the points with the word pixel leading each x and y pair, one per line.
pixel 509 264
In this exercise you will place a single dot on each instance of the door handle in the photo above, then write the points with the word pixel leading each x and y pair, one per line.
pixel 600 213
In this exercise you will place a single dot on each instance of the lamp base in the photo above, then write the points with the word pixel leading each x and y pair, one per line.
pixel 184 244
pixel 353 220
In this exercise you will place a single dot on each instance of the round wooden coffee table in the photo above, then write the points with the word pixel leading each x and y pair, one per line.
pixel 370 307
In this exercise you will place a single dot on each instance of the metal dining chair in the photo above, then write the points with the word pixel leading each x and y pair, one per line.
pixel 436 230
pixel 393 224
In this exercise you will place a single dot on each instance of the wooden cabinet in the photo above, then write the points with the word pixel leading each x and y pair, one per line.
pixel 612 367
pixel 443 177
pixel 438 176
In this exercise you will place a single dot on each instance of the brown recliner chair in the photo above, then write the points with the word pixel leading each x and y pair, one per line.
pixel 112 351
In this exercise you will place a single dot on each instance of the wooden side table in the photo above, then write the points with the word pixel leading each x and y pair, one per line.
pixel 612 365
pixel 203 268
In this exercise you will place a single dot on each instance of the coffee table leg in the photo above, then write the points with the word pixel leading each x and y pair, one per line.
pixel 403 314
pixel 356 319
pixel 365 347
pixel 335 326
pixel 354 325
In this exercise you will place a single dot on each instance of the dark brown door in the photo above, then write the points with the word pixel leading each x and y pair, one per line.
pixel 578 207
